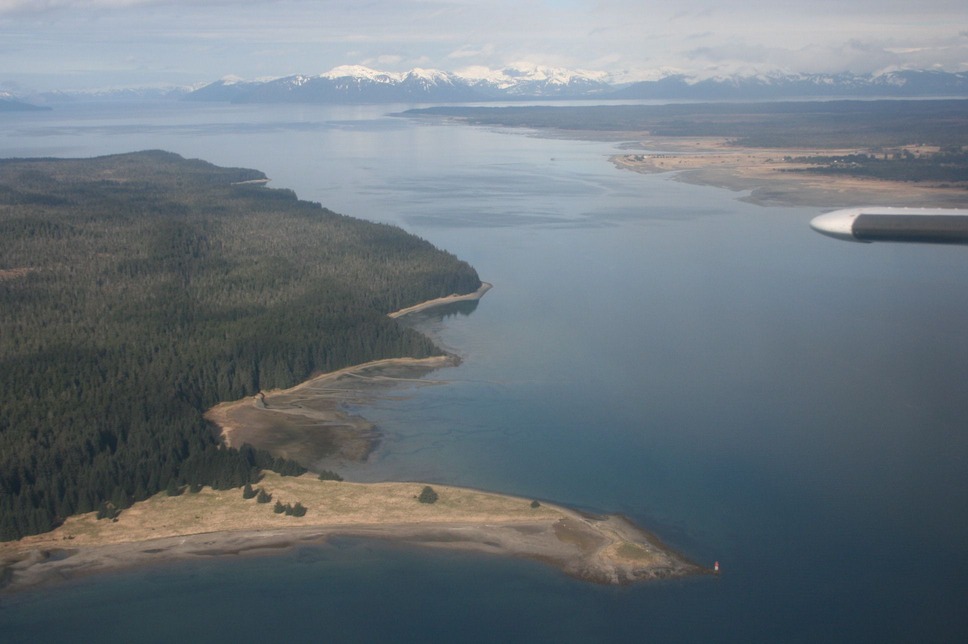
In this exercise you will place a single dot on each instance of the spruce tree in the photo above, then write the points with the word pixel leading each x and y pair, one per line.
pixel 173 489
pixel 248 492
pixel 427 495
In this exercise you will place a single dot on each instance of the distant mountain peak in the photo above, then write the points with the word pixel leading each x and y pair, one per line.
pixel 361 72
pixel 524 80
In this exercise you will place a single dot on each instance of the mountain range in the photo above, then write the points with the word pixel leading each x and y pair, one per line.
pixel 357 84
pixel 10 103
pixel 354 84
pixel 896 84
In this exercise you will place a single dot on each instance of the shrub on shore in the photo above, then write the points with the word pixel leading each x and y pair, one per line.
pixel 428 495
pixel 297 510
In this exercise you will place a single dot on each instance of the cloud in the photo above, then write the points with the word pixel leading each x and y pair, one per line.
pixel 45 6
pixel 198 40
pixel 388 59
pixel 484 51
pixel 854 54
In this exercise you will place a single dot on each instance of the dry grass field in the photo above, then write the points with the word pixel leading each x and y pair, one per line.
pixel 220 523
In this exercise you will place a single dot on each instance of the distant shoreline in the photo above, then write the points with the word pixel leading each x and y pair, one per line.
pixel 660 139
pixel 771 176
pixel 762 173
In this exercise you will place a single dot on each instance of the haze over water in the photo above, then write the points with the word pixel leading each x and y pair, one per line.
pixel 752 392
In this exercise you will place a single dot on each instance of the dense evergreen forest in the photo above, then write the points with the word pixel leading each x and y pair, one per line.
pixel 138 290
pixel 949 165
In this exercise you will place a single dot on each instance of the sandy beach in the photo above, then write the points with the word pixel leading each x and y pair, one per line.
pixel 444 301
pixel 608 550
pixel 307 423
pixel 766 174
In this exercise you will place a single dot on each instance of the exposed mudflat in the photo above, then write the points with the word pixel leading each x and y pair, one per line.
pixel 308 423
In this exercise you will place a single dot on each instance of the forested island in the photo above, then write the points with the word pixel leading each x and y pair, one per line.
pixel 139 290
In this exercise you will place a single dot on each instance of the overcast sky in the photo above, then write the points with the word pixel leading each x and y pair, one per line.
pixel 70 44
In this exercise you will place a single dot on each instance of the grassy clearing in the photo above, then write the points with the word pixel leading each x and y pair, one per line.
pixel 328 503
pixel 634 552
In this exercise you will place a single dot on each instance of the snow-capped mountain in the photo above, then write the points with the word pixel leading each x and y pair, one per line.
pixel 897 84
pixel 346 84
pixel 358 84
pixel 43 100
pixel 10 103
pixel 534 81
pixel 351 84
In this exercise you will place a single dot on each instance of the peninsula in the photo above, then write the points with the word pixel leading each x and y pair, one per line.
pixel 208 523
pixel 171 285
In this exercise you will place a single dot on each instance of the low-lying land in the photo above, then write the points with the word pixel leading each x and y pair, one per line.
pixel 443 301
pixel 787 176
pixel 308 423
pixel 221 522
pixel 782 153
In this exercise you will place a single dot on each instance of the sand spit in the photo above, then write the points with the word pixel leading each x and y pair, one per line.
pixel 767 173
pixel 608 550
pixel 443 301
pixel 307 423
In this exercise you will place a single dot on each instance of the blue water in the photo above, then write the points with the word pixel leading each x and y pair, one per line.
pixel 752 392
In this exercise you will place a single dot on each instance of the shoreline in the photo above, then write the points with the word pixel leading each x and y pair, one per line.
pixel 762 173
pixel 771 175
pixel 604 550
pixel 307 423
pixel 443 301
pixel 218 523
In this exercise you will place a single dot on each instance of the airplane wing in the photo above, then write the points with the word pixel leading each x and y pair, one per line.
pixel 870 224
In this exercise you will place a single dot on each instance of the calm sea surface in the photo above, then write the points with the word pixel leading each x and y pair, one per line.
pixel 792 406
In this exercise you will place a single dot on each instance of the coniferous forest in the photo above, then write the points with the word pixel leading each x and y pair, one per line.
pixel 138 290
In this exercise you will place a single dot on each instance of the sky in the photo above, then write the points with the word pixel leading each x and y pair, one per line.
pixel 88 44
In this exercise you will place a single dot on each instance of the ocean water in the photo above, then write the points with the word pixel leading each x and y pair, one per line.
pixel 789 405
